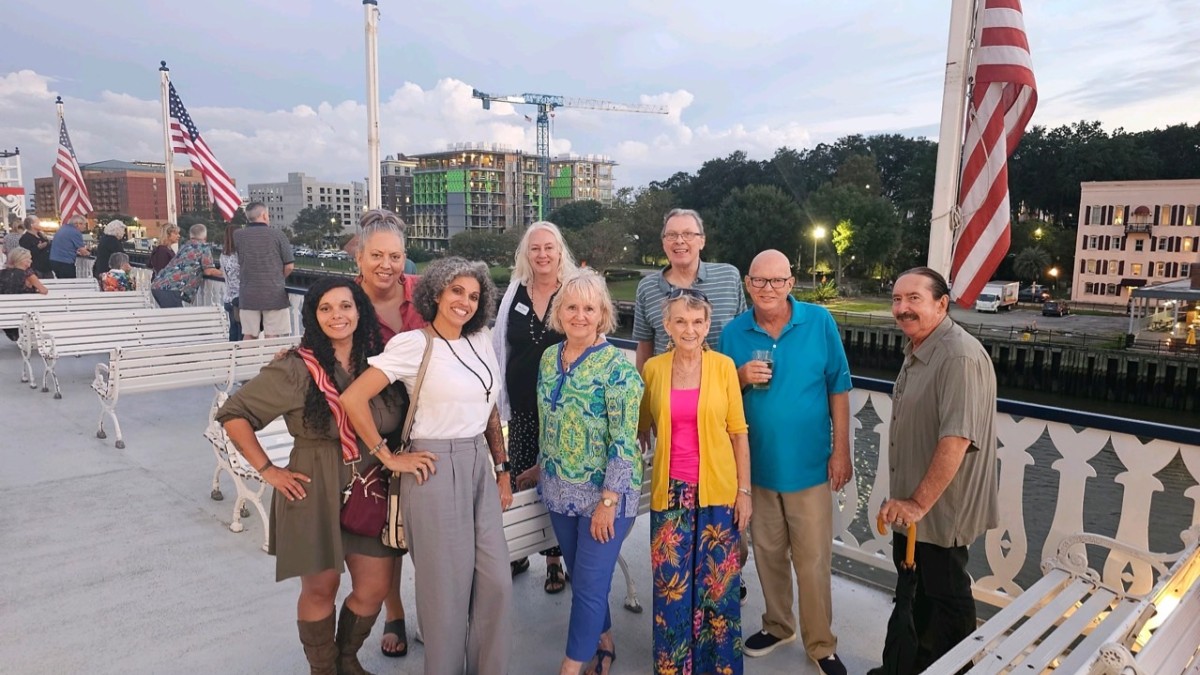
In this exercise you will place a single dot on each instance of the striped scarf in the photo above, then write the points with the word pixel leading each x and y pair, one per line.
pixel 345 432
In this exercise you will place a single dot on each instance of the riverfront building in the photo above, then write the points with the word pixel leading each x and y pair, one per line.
pixel 285 201
pixel 578 177
pixel 493 188
pixel 136 189
pixel 1133 234
pixel 396 186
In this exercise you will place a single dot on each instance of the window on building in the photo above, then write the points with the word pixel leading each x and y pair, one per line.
pixel 1160 269
pixel 1093 241
pixel 1091 267
pixel 1112 267
pixel 1136 269
pixel 1139 244
pixel 1184 269
pixel 1089 288
pixel 1112 289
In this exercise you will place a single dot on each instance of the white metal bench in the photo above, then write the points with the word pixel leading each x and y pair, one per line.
pixel 1064 620
pixel 82 283
pixel 135 370
pixel 13 308
pixel 277 443
pixel 78 333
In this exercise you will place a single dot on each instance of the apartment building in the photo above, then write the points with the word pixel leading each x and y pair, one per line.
pixel 135 189
pixel 286 200
pixel 396 185
pixel 472 186
pixel 579 177
pixel 1133 234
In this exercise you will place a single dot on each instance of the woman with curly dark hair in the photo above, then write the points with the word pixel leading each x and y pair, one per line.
pixel 455 478
pixel 307 540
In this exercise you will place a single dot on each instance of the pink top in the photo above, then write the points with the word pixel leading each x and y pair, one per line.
pixel 685 435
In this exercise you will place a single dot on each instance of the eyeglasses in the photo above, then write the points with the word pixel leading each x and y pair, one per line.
pixel 686 292
pixel 686 236
pixel 776 282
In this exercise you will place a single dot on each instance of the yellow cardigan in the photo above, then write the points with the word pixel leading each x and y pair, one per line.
pixel 719 414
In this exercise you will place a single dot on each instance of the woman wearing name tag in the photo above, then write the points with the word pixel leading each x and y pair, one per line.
pixel 521 335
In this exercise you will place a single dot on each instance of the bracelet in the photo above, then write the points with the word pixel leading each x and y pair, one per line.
pixel 745 491
pixel 264 467
pixel 379 446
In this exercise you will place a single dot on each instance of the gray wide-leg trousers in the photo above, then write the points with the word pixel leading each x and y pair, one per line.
pixel 460 557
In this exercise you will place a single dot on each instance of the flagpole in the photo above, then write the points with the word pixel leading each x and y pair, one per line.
pixel 165 80
pixel 950 138
pixel 58 106
pixel 371 9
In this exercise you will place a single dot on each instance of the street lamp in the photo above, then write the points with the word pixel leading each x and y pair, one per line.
pixel 1054 276
pixel 818 234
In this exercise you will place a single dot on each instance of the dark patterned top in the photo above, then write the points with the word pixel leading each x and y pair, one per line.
pixel 13 281
pixel 528 336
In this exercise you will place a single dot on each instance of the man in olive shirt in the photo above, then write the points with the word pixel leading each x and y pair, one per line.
pixel 942 454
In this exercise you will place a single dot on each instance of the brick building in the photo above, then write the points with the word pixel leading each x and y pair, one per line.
pixel 133 189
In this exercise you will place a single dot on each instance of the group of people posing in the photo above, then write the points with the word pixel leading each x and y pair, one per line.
pixel 743 417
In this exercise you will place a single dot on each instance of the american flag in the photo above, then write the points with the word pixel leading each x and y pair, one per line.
pixel 72 192
pixel 1002 102
pixel 185 139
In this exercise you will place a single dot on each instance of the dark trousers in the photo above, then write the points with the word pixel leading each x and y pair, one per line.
pixel 167 299
pixel 235 324
pixel 944 610
pixel 62 270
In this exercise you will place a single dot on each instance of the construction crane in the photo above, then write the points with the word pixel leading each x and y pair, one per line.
pixel 546 104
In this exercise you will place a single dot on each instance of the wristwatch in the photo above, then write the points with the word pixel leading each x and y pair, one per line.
pixel 608 501
pixel 503 467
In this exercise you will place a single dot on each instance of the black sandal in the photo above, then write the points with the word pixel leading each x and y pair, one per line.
pixel 519 566
pixel 395 627
pixel 602 654
pixel 556 580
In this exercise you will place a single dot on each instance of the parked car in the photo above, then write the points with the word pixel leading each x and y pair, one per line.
pixel 1056 308
pixel 1033 294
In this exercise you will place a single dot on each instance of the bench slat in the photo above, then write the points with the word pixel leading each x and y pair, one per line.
pixel 1118 620
pixel 1075 624
pixel 1035 626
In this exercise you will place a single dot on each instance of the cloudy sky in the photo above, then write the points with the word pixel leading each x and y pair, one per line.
pixel 279 85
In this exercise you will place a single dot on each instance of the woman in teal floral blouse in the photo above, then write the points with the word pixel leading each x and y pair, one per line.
pixel 590 465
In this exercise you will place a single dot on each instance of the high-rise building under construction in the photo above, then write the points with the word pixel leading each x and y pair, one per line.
pixel 490 187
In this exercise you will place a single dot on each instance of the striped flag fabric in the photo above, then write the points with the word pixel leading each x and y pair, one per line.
pixel 1002 102
pixel 72 191
pixel 186 140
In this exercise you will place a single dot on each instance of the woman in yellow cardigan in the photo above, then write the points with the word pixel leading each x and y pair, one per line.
pixel 700 500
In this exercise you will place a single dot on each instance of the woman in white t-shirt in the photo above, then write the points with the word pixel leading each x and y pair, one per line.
pixel 455 478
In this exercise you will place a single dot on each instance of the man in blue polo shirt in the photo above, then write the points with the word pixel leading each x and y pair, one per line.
pixel 66 246
pixel 799 417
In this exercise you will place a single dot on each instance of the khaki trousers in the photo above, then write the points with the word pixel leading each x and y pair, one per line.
pixel 794 530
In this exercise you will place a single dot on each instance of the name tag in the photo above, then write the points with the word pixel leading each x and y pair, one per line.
pixel 522 308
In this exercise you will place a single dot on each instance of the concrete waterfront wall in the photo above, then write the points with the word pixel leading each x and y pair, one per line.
pixel 1121 376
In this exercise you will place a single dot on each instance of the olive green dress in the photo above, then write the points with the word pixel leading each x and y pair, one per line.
pixel 306 535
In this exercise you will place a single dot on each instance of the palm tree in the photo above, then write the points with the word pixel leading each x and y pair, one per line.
pixel 1031 263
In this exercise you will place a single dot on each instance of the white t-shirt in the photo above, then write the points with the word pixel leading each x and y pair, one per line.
pixel 453 403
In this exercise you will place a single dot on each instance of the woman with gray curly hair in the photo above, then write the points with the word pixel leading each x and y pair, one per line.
pixel 455 475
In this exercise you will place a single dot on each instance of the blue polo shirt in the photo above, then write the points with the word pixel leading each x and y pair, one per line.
pixel 790 424
pixel 65 243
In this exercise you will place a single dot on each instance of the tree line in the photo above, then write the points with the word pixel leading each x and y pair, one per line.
pixel 871 195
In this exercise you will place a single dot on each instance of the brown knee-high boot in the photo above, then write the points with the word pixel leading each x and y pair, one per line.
pixel 319 647
pixel 352 631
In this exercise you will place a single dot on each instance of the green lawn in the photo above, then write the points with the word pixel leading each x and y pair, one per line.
pixel 859 305
pixel 625 289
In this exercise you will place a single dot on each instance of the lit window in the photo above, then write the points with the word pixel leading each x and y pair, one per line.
pixel 1136 269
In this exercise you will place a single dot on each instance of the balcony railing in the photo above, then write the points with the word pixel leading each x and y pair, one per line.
pixel 1138 228
pixel 1061 471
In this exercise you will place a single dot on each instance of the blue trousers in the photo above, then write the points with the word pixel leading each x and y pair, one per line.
pixel 590 565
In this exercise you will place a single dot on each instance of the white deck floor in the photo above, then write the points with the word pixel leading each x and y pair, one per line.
pixel 117 561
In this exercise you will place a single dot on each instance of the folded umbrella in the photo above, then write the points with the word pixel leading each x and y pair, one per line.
pixel 900 645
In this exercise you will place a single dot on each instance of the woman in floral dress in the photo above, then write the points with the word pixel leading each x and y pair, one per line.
pixel 700 495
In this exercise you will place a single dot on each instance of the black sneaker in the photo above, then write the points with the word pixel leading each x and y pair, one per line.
pixel 831 665
pixel 763 643
pixel 743 595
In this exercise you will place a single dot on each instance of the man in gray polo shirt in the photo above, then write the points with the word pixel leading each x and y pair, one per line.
pixel 942 453
pixel 682 240
pixel 265 260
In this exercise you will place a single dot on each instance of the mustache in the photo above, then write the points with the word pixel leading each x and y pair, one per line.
pixel 909 316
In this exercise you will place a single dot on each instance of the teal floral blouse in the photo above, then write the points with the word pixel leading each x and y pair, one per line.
pixel 589 418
